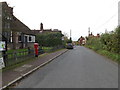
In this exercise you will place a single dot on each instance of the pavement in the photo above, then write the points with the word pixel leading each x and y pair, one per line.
pixel 13 75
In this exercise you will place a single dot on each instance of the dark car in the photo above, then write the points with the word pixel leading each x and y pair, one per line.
pixel 69 46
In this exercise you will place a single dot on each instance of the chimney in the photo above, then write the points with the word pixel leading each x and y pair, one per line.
pixel 89 31
pixel 11 10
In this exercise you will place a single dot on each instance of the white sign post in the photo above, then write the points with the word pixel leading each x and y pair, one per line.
pixel 2 48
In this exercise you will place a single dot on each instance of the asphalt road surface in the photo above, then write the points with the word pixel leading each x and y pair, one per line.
pixel 77 68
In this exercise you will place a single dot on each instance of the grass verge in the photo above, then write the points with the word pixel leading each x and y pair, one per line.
pixel 16 50
pixel 56 50
pixel 113 56
pixel 23 62
pixel 18 64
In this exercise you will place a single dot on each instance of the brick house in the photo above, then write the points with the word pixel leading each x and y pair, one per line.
pixel 81 40
pixel 16 33
pixel 91 35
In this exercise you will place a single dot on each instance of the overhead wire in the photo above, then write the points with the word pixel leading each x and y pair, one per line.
pixel 108 20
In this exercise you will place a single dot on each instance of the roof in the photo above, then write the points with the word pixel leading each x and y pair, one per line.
pixel 45 31
pixel 17 25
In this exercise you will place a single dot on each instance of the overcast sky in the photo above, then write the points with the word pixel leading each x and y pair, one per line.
pixel 64 15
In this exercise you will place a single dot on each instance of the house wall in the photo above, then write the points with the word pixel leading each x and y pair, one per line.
pixel 0 21
pixel 32 38
pixel 7 13
pixel 31 45
pixel 12 28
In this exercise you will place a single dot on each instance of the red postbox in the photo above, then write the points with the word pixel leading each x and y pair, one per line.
pixel 36 49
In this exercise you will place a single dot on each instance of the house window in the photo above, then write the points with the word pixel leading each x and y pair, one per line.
pixel 19 38
pixel 33 38
pixel 26 39
pixel 30 39
pixel 11 36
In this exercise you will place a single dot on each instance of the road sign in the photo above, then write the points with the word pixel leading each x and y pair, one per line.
pixel 2 45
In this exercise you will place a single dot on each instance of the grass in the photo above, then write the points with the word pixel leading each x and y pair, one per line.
pixel 16 50
pixel 47 49
pixel 23 62
pixel 114 56
pixel 57 50
pixel 42 55
pixel 26 61
pixel 18 64
pixel 19 52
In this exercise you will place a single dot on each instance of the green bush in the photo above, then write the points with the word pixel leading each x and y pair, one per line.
pixel 111 55
pixel 94 43
pixel 49 39
pixel 108 41
pixel 111 41
pixel 107 44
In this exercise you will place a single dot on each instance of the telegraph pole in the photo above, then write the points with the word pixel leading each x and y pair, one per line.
pixel 88 31
pixel 106 30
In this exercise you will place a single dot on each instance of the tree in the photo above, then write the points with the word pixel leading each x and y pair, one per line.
pixel 49 39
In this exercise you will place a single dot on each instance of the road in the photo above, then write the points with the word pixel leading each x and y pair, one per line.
pixel 77 68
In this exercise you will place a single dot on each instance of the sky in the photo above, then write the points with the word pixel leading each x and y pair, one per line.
pixel 66 15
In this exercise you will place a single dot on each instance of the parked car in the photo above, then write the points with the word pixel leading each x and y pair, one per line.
pixel 69 46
